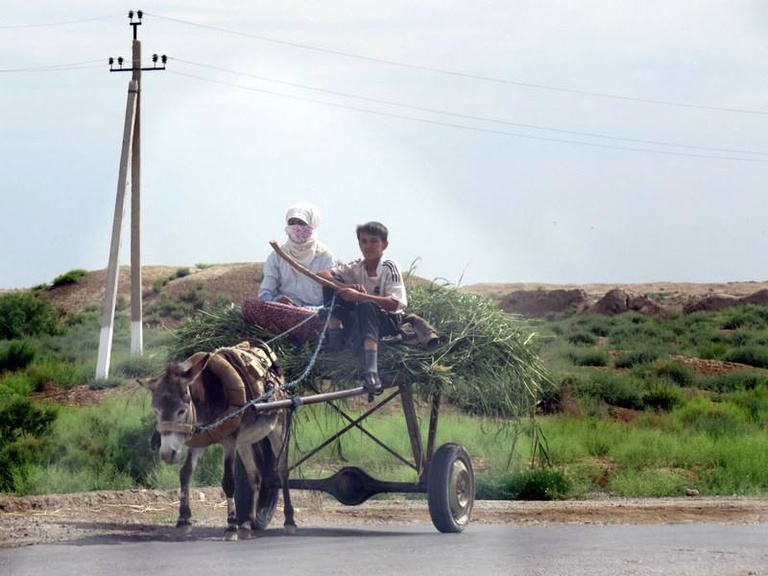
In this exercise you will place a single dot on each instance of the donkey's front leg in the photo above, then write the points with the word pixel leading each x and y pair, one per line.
pixel 289 524
pixel 228 485
pixel 184 523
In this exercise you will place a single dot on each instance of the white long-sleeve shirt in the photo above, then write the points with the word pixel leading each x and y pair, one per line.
pixel 282 279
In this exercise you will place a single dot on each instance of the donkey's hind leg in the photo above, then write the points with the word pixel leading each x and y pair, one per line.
pixel 279 440
pixel 228 486
pixel 184 522
pixel 247 487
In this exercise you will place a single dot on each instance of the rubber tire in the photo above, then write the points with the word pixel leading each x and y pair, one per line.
pixel 266 502
pixel 451 488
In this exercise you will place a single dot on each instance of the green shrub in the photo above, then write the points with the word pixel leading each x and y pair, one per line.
pixel 65 374
pixel 24 431
pixel 195 297
pixel 71 277
pixel 112 437
pixel 732 381
pixel 181 272
pixel 16 355
pixel 754 403
pixel 166 307
pixel 210 469
pixel 677 373
pixel 596 324
pixel 157 284
pixel 624 392
pixel 22 314
pixel 713 350
pixel 140 366
pixel 715 419
pixel 663 396
pixel 540 484
pixel 16 384
pixel 636 357
pixel 111 381
pixel 747 316
pixel 751 355
pixel 590 357
pixel 582 338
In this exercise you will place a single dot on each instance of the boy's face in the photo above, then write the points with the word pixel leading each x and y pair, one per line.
pixel 371 246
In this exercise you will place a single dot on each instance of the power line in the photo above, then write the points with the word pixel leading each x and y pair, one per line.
pixel 472 128
pixel 57 67
pixel 50 24
pixel 463 74
pixel 476 118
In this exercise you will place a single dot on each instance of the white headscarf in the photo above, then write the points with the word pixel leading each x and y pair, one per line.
pixel 302 243
pixel 305 212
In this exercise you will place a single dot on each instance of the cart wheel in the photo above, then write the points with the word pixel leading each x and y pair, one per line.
pixel 451 488
pixel 266 502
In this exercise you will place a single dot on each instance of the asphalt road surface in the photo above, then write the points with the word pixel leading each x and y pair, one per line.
pixel 594 550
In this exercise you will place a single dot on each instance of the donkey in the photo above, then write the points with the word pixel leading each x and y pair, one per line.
pixel 199 402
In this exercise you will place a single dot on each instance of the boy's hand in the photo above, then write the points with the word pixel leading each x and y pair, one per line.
pixel 352 294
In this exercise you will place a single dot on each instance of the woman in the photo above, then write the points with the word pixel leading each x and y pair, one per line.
pixel 283 283
pixel 286 297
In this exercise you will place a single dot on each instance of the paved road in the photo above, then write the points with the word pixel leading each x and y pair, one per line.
pixel 489 550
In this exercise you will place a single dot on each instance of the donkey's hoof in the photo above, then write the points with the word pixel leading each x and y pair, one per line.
pixel 289 530
pixel 245 532
pixel 230 536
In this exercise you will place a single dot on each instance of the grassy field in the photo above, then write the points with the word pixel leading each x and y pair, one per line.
pixel 638 406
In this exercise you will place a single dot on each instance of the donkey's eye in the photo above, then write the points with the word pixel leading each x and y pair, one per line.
pixel 181 412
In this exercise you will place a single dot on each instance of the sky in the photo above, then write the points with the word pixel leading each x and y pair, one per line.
pixel 546 141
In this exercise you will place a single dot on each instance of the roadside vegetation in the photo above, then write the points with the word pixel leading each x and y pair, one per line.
pixel 633 405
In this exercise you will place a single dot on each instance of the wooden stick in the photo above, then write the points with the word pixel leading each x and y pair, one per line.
pixel 303 269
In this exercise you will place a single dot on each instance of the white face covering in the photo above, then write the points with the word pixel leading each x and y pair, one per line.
pixel 302 243
pixel 299 233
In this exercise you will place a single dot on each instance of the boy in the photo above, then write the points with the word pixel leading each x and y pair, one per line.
pixel 370 297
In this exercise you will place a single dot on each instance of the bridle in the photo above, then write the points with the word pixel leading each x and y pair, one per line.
pixel 186 428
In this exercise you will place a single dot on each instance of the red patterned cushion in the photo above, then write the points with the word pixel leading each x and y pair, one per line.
pixel 279 318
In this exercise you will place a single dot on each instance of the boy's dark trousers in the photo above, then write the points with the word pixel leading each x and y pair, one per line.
pixel 362 320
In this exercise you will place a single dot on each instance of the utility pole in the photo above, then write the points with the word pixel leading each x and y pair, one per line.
pixel 130 154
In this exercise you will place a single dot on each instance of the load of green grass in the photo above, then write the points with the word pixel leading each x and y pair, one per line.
pixel 485 363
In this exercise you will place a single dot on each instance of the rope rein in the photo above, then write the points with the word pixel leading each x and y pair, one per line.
pixel 287 387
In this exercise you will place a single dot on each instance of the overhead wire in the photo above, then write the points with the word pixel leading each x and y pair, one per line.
pixel 465 127
pixel 54 24
pixel 470 116
pixel 458 73
pixel 57 67
pixel 93 63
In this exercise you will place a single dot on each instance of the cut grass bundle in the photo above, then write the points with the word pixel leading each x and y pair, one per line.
pixel 485 362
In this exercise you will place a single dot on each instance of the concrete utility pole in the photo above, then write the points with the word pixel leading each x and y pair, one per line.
pixel 131 153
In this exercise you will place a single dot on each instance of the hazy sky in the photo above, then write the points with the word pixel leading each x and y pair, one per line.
pixel 499 140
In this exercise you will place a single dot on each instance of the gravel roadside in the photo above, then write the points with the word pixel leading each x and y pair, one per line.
pixel 151 514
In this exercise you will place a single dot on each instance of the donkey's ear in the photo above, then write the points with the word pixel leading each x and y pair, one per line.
pixel 148 383
pixel 192 366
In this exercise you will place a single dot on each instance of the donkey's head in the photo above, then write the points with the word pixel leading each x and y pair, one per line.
pixel 173 406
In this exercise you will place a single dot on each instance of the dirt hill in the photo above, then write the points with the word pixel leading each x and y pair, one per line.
pixel 241 280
